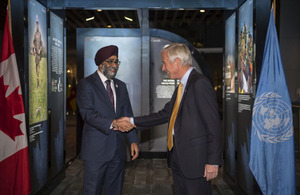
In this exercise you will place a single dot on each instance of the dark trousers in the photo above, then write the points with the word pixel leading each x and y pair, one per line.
pixel 102 175
pixel 183 185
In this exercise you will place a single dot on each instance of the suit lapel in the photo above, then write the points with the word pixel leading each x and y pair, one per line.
pixel 184 93
pixel 98 83
pixel 187 86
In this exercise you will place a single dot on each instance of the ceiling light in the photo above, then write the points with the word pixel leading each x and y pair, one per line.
pixel 129 19
pixel 202 10
pixel 88 19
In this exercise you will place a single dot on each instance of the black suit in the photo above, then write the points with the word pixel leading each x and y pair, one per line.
pixel 197 130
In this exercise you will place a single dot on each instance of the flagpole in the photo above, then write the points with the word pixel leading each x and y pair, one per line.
pixel 9 17
pixel 274 9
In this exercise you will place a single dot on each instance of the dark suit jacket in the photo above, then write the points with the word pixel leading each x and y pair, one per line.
pixel 99 142
pixel 197 130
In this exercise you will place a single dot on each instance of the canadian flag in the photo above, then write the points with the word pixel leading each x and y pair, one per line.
pixel 14 161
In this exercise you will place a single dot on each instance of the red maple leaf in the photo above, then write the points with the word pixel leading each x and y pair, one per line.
pixel 9 107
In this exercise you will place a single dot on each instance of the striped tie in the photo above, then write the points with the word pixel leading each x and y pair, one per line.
pixel 110 92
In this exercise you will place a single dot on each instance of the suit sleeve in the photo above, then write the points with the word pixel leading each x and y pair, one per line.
pixel 87 110
pixel 208 109
pixel 154 119
pixel 131 135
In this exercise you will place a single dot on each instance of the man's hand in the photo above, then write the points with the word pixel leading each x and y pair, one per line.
pixel 125 126
pixel 124 119
pixel 122 125
pixel 134 151
pixel 211 172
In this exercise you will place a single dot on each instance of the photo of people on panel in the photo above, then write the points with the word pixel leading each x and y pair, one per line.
pixel 37 32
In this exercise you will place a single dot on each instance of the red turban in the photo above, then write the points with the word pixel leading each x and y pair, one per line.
pixel 105 53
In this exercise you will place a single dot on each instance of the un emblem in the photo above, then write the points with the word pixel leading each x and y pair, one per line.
pixel 272 118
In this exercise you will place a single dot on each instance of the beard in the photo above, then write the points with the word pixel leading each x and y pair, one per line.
pixel 109 74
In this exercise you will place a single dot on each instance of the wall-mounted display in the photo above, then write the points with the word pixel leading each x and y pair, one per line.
pixel 38 101
pixel 230 54
pixel 245 48
pixel 56 129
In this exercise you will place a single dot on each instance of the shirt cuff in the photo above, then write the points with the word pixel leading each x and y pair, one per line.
pixel 132 120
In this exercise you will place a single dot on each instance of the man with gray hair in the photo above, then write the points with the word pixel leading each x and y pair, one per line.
pixel 194 131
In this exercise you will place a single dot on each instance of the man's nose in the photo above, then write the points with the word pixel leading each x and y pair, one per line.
pixel 114 64
pixel 163 68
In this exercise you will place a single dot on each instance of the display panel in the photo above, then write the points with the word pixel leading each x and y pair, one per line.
pixel 245 92
pixel 245 48
pixel 230 54
pixel 230 115
pixel 57 94
pixel 38 102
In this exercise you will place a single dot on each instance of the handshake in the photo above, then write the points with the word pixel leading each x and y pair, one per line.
pixel 122 124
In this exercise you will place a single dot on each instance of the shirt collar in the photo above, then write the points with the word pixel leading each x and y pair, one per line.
pixel 186 76
pixel 103 78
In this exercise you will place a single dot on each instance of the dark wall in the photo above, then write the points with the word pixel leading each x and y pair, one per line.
pixel 18 29
pixel 289 38
pixel 262 16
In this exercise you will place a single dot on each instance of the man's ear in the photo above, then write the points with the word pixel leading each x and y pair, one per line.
pixel 100 67
pixel 178 61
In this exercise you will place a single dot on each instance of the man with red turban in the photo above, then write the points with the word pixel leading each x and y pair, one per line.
pixel 102 99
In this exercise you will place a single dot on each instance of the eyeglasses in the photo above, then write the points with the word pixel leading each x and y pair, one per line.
pixel 110 62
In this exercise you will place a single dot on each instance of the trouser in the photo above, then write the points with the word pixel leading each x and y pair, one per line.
pixel 101 175
pixel 184 185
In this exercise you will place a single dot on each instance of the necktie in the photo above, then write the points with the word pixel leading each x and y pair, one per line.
pixel 110 92
pixel 173 117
